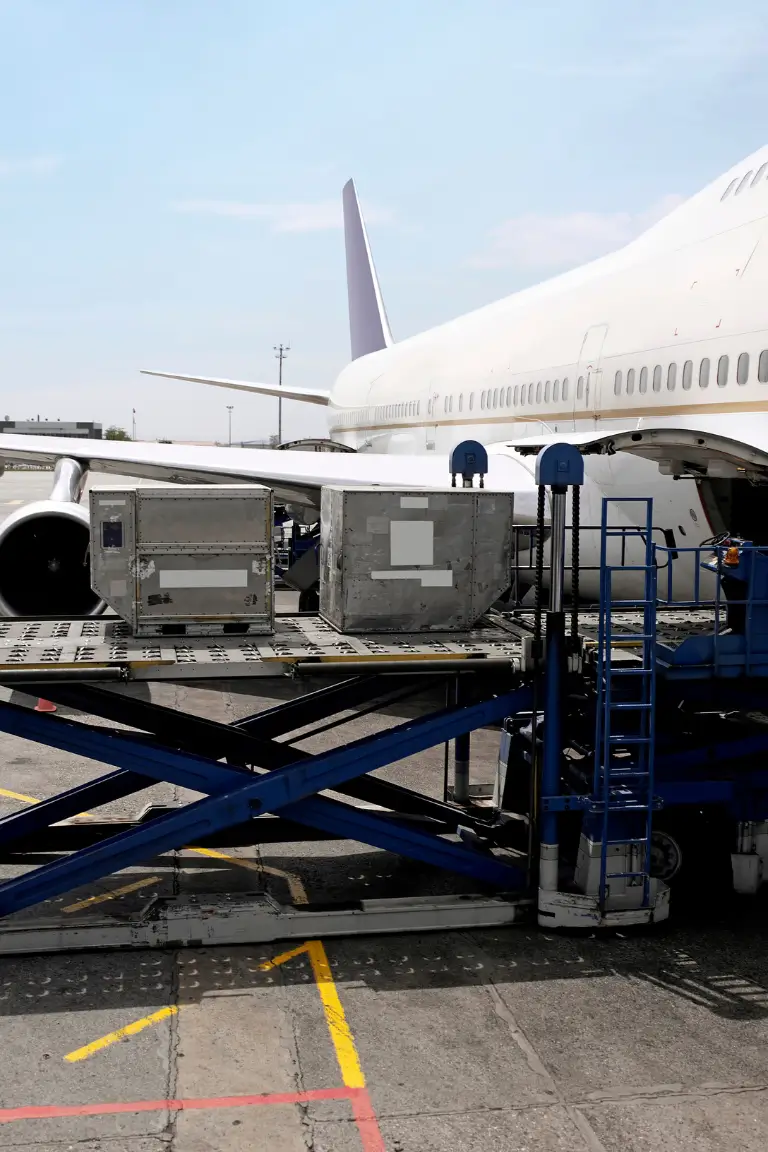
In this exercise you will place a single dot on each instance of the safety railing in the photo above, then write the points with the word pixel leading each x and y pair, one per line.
pixel 524 539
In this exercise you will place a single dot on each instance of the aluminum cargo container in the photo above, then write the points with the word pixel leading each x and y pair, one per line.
pixel 402 561
pixel 190 560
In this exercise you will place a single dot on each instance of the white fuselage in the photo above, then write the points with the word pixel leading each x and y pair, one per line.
pixel 671 330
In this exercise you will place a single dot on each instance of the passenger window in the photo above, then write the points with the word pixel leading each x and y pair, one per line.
pixel 471 401
pixel 657 378
pixel 760 173
pixel 522 395
pixel 762 367
pixel 418 407
pixel 722 371
pixel 530 393
pixel 509 396
pixel 630 381
pixel 482 399
pixel 538 392
pixel 643 382
pixel 704 373
pixel 742 368
pixel 671 377
pixel 580 388
pixel 556 391
pixel 547 388
pixel 729 189
pixel 517 395
pixel 461 401
pixel 617 384
pixel 495 397
pixel 565 389
pixel 743 182
pixel 687 374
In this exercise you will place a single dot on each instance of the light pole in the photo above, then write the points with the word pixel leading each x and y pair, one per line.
pixel 281 351
pixel 133 423
pixel 229 411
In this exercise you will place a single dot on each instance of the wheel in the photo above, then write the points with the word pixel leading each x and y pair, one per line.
pixel 666 856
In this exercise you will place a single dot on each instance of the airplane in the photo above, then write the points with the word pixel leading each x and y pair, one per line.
pixel 653 360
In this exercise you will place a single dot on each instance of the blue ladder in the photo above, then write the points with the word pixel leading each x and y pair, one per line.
pixel 623 787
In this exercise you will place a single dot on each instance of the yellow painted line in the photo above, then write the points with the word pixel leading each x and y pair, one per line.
pixel 335 1017
pixel 13 503
pixel 295 886
pixel 121 1033
pixel 18 796
pixel 137 884
pixel 341 1034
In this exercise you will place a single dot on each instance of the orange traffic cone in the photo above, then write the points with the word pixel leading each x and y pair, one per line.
pixel 44 706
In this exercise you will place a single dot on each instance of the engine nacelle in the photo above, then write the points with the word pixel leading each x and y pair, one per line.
pixel 44 553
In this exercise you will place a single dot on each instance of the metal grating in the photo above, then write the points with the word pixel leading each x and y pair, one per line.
pixel 105 641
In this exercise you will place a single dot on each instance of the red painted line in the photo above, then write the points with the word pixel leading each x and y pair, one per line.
pixel 365 1118
pixel 56 1111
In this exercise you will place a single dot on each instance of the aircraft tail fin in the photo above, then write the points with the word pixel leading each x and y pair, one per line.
pixel 368 325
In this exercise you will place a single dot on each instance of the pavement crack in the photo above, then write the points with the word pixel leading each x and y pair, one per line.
pixel 592 1142
pixel 174 1041
pixel 307 1123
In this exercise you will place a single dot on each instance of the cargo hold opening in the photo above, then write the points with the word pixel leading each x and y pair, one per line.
pixel 738 507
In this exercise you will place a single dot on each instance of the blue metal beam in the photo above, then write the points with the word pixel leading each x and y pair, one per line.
pixel 234 796
pixel 113 786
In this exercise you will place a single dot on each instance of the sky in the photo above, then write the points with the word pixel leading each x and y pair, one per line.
pixel 171 174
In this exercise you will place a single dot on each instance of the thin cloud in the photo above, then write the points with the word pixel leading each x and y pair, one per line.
pixel 321 216
pixel 28 165
pixel 707 49
pixel 536 241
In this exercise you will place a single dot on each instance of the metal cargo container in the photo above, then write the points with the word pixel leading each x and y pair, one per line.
pixel 187 560
pixel 403 561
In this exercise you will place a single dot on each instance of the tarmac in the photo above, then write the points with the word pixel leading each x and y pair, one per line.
pixel 492 1041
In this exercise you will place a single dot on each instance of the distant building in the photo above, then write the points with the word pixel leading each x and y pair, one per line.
pixel 81 429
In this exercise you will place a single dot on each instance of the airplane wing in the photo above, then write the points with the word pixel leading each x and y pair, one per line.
pixel 295 477
pixel 308 395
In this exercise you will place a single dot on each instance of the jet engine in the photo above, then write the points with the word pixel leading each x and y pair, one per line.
pixel 44 553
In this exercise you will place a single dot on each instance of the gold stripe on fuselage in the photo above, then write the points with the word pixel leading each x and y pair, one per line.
pixel 549 417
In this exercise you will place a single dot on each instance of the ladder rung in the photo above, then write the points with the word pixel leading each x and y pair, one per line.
pixel 627 875
pixel 622 637
pixel 631 707
pixel 631 671
pixel 632 843
pixel 629 740
pixel 598 806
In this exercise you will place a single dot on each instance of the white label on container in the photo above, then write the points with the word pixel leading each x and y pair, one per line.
pixel 411 542
pixel 195 578
pixel 118 588
pixel 414 501
pixel 436 578
pixel 111 503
